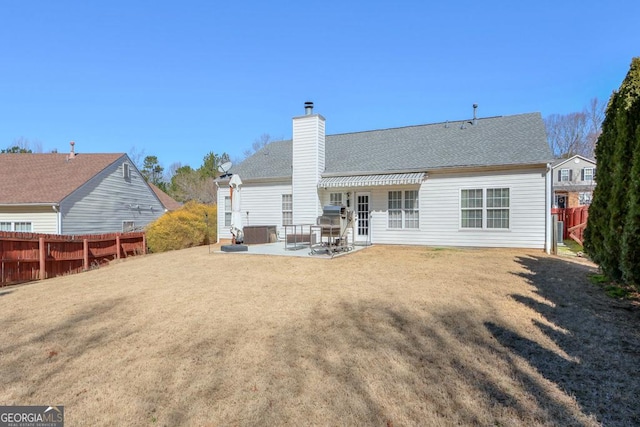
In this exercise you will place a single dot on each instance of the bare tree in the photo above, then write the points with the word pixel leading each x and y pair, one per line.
pixel 595 116
pixel 136 157
pixel 259 143
pixel 575 133
pixel 23 145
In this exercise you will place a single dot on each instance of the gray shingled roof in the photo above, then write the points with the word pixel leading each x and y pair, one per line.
pixel 504 140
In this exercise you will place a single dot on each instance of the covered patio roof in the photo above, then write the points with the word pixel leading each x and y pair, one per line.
pixel 372 180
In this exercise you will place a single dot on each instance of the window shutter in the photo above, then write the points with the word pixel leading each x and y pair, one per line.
pixel 559 175
pixel 570 174
pixel 582 174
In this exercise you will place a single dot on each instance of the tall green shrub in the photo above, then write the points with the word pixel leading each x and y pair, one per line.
pixel 630 260
pixel 598 222
pixel 613 233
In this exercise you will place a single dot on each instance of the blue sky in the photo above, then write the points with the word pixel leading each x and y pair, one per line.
pixel 180 79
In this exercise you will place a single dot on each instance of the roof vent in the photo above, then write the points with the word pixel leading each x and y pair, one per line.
pixel 72 153
pixel 308 108
pixel 475 118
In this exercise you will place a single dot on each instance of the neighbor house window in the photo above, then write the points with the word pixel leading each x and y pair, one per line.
pixel 587 174
pixel 126 171
pixel 485 208
pixel 24 227
pixel 564 175
pixel 128 226
pixel 287 209
pixel 335 199
pixel 403 209
pixel 227 211
pixel 584 198
pixel 5 226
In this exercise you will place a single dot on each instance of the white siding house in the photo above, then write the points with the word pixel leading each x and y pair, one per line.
pixel 74 194
pixel 478 183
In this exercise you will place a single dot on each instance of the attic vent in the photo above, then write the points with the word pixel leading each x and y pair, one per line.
pixel 126 171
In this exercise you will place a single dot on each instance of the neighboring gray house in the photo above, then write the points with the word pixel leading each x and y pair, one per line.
pixel 74 194
pixel 573 182
pixel 481 182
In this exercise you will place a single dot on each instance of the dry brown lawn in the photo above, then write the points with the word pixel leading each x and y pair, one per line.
pixel 387 336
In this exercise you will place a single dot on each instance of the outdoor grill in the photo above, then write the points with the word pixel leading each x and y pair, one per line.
pixel 333 226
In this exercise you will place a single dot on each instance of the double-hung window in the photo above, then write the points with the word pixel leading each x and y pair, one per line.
pixel 403 209
pixel 471 208
pixel 565 175
pixel 335 199
pixel 587 174
pixel 584 198
pixel 227 211
pixel 485 208
pixel 6 226
pixel 287 209
pixel 24 227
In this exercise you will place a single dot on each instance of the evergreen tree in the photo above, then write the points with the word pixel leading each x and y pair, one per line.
pixel 630 259
pixel 598 222
pixel 608 240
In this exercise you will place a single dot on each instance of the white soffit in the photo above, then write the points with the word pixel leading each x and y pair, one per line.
pixel 372 180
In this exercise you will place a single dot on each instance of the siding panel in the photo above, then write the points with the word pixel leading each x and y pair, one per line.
pixel 108 199
pixel 262 202
pixel 43 219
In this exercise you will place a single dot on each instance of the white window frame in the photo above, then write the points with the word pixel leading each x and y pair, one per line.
pixel 128 226
pixel 485 208
pixel 126 171
pixel 227 211
pixel 335 199
pixel 287 209
pixel 591 173
pixel 6 226
pixel 471 208
pixel 20 224
pixel 585 198
pixel 565 175
pixel 403 209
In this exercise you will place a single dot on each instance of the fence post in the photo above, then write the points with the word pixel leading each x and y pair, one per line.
pixel 144 244
pixel 118 246
pixel 85 253
pixel 42 255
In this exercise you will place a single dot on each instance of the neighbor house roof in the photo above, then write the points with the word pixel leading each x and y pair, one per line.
pixel 496 141
pixel 167 201
pixel 560 162
pixel 47 178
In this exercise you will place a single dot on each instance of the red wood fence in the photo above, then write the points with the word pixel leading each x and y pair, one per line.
pixel 29 256
pixel 575 221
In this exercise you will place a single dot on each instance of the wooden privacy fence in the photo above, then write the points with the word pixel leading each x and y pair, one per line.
pixel 574 220
pixel 29 256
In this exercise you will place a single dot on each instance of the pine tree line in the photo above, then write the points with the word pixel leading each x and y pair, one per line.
pixel 612 236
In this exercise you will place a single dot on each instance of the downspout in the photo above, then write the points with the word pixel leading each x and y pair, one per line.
pixel 56 209
pixel 218 213
pixel 547 216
